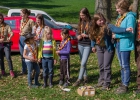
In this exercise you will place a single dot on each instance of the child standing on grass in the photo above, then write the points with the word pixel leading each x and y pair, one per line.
pixel 47 52
pixel 64 53
pixel 30 55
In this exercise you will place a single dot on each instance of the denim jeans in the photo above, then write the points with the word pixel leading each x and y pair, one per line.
pixel 21 48
pixel 124 60
pixel 30 67
pixel 47 65
pixel 7 50
pixel 84 52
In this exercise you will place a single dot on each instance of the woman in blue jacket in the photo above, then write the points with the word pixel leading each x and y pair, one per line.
pixel 125 42
pixel 101 42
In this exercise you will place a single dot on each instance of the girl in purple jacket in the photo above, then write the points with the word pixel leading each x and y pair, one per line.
pixel 64 53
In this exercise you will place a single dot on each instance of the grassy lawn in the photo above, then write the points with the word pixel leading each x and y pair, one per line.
pixel 61 10
pixel 16 89
pixel 66 11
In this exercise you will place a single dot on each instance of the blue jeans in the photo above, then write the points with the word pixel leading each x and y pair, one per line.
pixel 47 65
pixel 30 67
pixel 84 52
pixel 124 60
pixel 21 48
pixel 7 50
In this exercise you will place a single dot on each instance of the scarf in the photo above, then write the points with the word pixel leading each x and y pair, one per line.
pixel 84 28
pixel 120 19
pixel 24 23
pixel 37 34
pixel 33 51
pixel 62 45
pixel 2 32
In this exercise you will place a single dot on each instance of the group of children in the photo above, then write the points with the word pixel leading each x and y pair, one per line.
pixel 40 47
pixel 46 53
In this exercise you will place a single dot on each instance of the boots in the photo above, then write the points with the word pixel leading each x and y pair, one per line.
pixel 85 80
pixel 2 72
pixel 45 81
pixel 50 81
pixel 12 74
pixel 121 89
pixel 77 83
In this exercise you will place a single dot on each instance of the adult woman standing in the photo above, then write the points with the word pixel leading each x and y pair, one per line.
pixel 125 42
pixel 5 42
pixel 83 43
pixel 25 28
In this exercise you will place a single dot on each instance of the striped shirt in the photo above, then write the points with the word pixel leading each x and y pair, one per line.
pixel 47 51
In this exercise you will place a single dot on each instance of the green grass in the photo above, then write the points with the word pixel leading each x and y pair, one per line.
pixel 67 11
pixel 61 10
pixel 16 89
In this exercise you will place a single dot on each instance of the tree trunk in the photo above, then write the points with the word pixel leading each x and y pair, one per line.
pixel 104 7
pixel 135 6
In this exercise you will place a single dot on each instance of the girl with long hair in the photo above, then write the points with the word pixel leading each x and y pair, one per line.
pixel 102 44
pixel 83 44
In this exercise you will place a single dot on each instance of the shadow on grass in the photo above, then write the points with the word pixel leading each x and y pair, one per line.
pixel 25 4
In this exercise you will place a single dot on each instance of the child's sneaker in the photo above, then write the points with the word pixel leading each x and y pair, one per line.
pixel 50 85
pixel 105 88
pixel 38 84
pixel 65 85
pixel 60 82
pixel 2 72
pixel 77 83
pixel 12 74
pixel 33 86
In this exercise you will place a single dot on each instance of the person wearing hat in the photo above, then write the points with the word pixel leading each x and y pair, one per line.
pixel 30 55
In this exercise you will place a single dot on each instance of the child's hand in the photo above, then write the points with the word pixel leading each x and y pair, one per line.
pixel 55 61
pixel 57 52
pixel 113 36
pixel 79 37
pixel 35 60
pixel 31 59
pixel 84 35
pixel 1 40
pixel 130 29
pixel 93 49
pixel 39 60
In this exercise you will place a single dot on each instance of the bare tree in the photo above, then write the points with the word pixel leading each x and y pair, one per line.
pixel 104 7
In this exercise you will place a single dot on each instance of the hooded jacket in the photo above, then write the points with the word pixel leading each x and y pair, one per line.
pixel 127 38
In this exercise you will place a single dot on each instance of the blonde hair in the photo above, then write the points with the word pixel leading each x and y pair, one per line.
pixel 96 30
pixel 124 5
pixel 47 30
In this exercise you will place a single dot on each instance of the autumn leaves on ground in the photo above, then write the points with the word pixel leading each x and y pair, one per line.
pixel 17 88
